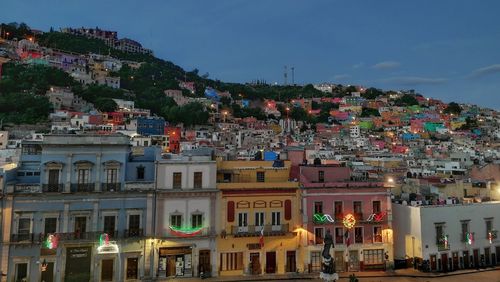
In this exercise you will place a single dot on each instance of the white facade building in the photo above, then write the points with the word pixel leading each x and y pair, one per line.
pixel 187 216
pixel 449 237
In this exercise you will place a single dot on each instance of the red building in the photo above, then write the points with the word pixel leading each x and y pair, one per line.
pixel 357 213
pixel 174 139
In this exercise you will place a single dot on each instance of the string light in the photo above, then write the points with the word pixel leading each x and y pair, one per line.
pixel 185 232
pixel 349 221
pixel 322 218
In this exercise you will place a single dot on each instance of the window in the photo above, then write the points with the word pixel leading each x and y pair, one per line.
pixel 50 225
pixel 259 219
pixel 109 224
pixel 376 206
pixel 465 230
pixel 24 226
pixel 358 210
pixel 338 209
pixel 261 177
pixel 53 176
pixel 377 234
pixel 177 180
pixel 80 224
pixel 140 172
pixel 276 218
pixel 321 176
pixel 112 175
pixel 231 261
pixel 196 220
pixel 339 235
pixel 242 219
pixel 358 235
pixel 83 176
pixel 489 226
pixel 198 179
pixel 176 220
pixel 21 272
pixel 132 269
pixel 316 261
pixel 439 233
pixel 373 256
pixel 318 207
pixel 134 221
pixel 318 235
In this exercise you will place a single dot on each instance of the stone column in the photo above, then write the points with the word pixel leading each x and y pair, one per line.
pixel 65 219
pixel 95 217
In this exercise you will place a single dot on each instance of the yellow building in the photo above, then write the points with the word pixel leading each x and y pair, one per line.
pixel 259 214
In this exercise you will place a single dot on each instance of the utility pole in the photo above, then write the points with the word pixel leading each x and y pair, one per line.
pixel 293 76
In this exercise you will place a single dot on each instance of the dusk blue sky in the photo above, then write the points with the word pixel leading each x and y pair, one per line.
pixel 443 49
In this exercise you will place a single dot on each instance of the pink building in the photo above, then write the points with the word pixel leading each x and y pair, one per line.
pixel 357 213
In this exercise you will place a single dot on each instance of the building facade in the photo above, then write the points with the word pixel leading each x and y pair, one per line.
pixel 184 244
pixel 259 218
pixel 448 237
pixel 70 214
pixel 357 214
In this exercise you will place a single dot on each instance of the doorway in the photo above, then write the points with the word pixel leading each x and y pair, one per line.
pixel 455 260
pixel 290 261
pixel 476 258
pixel 48 272
pixel 353 260
pixel 444 262
pixel 204 262
pixel 171 270
pixel 487 256
pixel 339 261
pixel 270 262
pixel 254 263
pixel 466 259
pixel 107 270
pixel 433 263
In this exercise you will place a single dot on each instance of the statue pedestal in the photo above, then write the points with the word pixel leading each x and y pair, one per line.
pixel 329 277
pixel 328 270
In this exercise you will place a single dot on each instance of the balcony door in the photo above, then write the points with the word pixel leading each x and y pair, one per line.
pixel 53 179
pixel 80 226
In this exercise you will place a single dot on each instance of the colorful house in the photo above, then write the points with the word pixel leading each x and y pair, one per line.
pixel 260 212
pixel 357 214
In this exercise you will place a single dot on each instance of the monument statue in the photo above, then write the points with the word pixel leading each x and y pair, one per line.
pixel 328 266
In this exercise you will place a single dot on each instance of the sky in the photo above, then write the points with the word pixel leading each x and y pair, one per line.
pixel 446 49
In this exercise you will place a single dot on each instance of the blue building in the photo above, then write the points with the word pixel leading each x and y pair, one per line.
pixel 147 126
pixel 78 208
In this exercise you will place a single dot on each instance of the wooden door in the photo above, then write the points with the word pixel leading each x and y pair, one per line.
pixel 170 266
pixel 455 261
pixel 107 270
pixel 254 263
pixel 487 256
pixel 204 262
pixel 476 257
pixel 339 261
pixel 444 262
pixel 290 261
pixel 466 259
pixel 433 263
pixel 270 262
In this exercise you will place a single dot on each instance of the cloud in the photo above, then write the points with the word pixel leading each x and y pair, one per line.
pixel 358 65
pixel 413 80
pixel 484 71
pixel 340 76
pixel 386 65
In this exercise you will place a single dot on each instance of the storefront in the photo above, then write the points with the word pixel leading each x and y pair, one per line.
pixel 78 262
pixel 175 262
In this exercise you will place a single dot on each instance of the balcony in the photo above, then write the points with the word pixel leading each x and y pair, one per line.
pixel 139 185
pixel 252 230
pixel 133 233
pixel 358 216
pixel 53 188
pixel 110 187
pixel 23 238
pixel 88 236
pixel 339 217
pixel 82 187
pixel 26 188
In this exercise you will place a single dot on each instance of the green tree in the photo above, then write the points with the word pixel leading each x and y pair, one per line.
pixel 453 108
pixel 406 100
pixel 372 93
pixel 105 104
pixel 368 112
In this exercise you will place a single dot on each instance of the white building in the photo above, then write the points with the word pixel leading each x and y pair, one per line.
pixel 355 131
pixel 449 237
pixel 187 216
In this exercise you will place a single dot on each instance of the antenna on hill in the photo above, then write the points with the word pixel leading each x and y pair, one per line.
pixel 293 75
pixel 285 76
